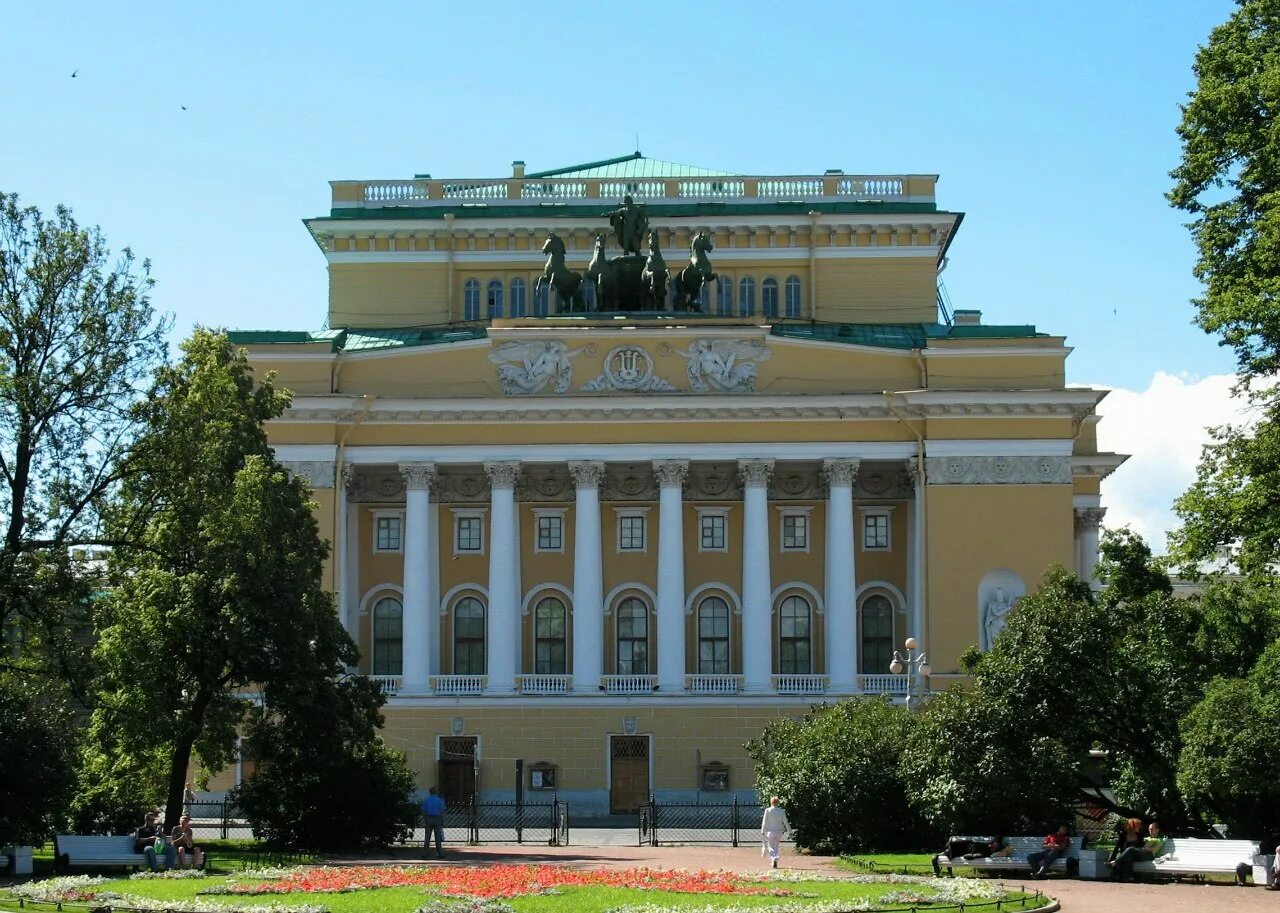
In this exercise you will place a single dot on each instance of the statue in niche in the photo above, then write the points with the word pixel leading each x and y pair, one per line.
pixel 689 281
pixel 994 616
pixel 566 283
pixel 654 276
pixel 630 222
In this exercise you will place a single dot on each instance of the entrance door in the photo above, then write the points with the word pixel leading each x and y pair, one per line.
pixel 456 777
pixel 629 772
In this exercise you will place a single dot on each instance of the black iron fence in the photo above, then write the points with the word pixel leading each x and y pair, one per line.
pixel 731 822
pixel 543 822
pixel 219 820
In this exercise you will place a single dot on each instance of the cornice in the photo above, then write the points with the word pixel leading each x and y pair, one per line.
pixel 1098 465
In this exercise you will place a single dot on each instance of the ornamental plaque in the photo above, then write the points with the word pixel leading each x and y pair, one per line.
pixel 629 368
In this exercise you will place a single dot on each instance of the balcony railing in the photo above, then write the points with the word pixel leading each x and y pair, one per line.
pixel 883 684
pixel 458 684
pixel 544 684
pixel 713 684
pixel 387 684
pixel 628 684
pixel 800 684
pixel 480 191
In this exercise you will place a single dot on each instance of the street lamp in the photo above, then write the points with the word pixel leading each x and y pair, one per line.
pixel 913 663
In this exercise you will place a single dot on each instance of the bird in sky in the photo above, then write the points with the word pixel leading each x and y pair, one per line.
pixel 183 107
pixel 73 73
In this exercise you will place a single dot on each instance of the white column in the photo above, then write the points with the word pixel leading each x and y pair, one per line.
pixel 417 634
pixel 915 563
pixel 349 554
pixel 504 598
pixel 588 586
pixel 671 476
pixel 841 632
pixel 433 587
pixel 757 614
pixel 1088 521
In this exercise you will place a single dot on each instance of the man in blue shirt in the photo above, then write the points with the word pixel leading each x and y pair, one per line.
pixel 433 819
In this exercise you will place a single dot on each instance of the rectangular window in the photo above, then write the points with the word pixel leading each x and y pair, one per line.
pixel 631 534
pixel 875 531
pixel 470 534
pixel 550 533
pixel 387 536
pixel 795 532
pixel 711 529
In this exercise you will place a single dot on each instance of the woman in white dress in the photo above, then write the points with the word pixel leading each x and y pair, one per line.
pixel 773 826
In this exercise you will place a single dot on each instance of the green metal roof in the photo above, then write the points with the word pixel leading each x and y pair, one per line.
pixel 880 335
pixel 631 166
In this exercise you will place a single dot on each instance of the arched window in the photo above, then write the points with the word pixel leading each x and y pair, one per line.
pixel 541 300
pixel 495 298
pixel 724 297
pixel 747 297
pixel 876 650
pixel 471 299
pixel 388 641
pixel 468 637
pixel 713 636
pixel 633 637
pixel 549 656
pixel 769 297
pixel 793 296
pixel 517 297
pixel 795 637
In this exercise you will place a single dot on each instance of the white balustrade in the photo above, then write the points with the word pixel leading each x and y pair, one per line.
pixel 882 684
pixel 475 190
pixel 459 684
pixel 395 191
pixel 711 189
pixel 800 684
pixel 544 684
pixel 635 189
pixel 713 684
pixel 791 187
pixel 387 684
pixel 553 190
pixel 869 188
pixel 628 684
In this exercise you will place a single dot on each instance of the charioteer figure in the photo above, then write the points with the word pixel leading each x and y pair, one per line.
pixel 630 224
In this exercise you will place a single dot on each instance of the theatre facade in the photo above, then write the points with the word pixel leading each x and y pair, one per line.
pixel 622 461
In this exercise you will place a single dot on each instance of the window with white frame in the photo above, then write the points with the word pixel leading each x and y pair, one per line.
pixel 388 531
pixel 387 636
pixel 549 654
pixel 468 532
pixel 633 637
pixel 550 529
pixel 795 531
pixel 795 653
pixel 471 299
pixel 468 637
pixel 875 651
pixel 632 533
pixel 875 531
pixel 713 530
pixel 713 636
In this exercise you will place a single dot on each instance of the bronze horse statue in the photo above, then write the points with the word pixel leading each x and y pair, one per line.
pixel 654 277
pixel 566 283
pixel 601 273
pixel 689 281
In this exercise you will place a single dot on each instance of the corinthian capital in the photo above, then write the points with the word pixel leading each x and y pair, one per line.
pixel 840 471
pixel 418 476
pixel 755 473
pixel 587 473
pixel 502 475
pixel 1089 517
pixel 671 473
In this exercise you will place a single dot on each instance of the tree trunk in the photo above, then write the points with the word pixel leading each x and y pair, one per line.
pixel 180 761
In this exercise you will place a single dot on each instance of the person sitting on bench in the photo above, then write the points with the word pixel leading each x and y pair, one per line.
pixel 965 848
pixel 1151 847
pixel 185 840
pixel 1056 846
pixel 148 839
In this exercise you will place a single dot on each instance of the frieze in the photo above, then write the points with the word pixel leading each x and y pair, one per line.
pixel 999 470
pixel 629 483
pixel 373 486
pixel 884 481
pixel 724 365
pixel 796 485
pixel 528 367
pixel 714 483
pixel 316 473
pixel 629 369
pixel 545 485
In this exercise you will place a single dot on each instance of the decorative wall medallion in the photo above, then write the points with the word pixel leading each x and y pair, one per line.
pixel 629 483
pixel 715 483
pixel 525 368
pixel 468 487
pixel 457 725
pixel 629 368
pixel 629 725
pixel 999 470
pixel 724 365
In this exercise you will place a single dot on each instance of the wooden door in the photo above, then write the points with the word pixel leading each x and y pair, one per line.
pixel 456 777
pixel 629 772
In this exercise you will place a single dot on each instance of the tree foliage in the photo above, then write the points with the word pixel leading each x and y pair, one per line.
pixel 218 591
pixel 78 340
pixel 37 758
pixel 836 772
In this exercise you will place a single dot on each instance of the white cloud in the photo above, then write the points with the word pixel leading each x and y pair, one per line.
pixel 1164 427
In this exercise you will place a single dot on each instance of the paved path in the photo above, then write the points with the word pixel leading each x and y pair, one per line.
pixel 1075 896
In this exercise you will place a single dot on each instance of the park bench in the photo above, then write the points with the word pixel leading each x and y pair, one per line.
pixel 1022 848
pixel 96 852
pixel 1199 857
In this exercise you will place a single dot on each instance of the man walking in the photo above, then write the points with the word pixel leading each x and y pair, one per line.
pixel 433 820
pixel 772 827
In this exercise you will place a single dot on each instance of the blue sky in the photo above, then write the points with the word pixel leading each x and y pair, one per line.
pixel 1052 127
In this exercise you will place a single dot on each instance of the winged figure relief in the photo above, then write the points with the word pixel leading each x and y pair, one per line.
pixel 528 367
pixel 724 365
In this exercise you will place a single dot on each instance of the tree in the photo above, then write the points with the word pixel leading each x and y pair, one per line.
pixel 218 600
pixel 1229 181
pixel 36 755
pixel 78 338
pixel 836 772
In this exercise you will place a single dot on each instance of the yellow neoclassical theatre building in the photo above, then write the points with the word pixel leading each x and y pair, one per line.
pixel 624 460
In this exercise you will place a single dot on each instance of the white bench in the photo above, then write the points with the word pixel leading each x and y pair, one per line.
pixel 1022 848
pixel 1197 856
pixel 96 852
